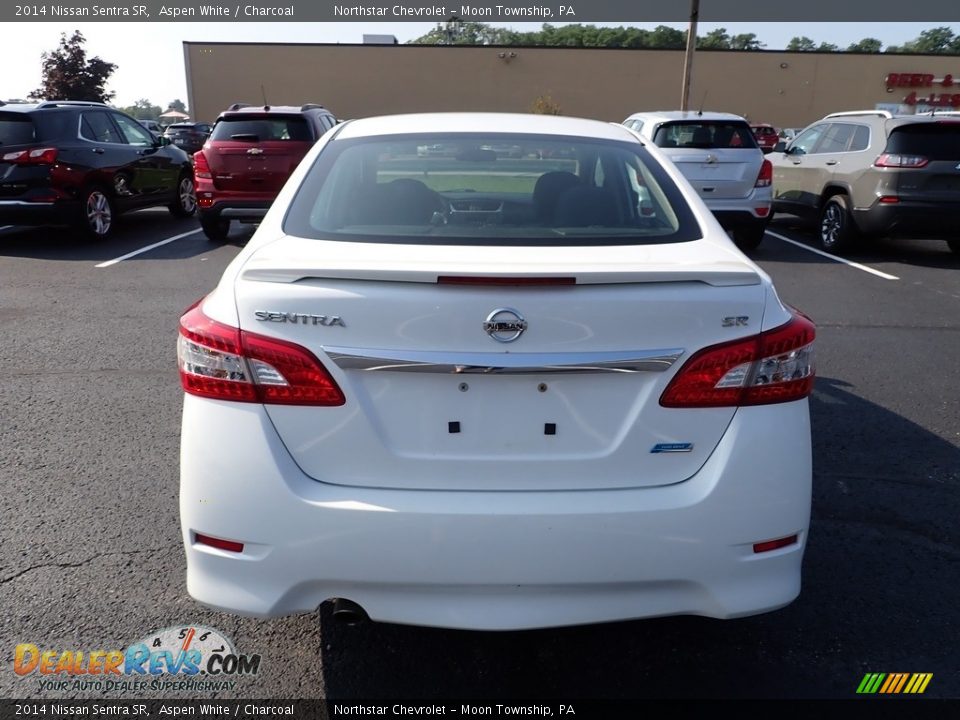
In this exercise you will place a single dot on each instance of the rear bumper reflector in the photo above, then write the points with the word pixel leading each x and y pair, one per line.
pixel 769 545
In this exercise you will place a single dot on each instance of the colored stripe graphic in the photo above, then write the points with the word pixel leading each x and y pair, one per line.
pixel 921 685
pixel 894 683
pixel 892 680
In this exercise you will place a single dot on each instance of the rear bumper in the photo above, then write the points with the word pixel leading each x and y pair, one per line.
pixel 61 212
pixel 237 209
pixel 493 560
pixel 756 208
pixel 910 219
pixel 730 219
pixel 214 203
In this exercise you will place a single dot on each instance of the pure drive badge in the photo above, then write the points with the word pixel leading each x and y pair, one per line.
pixel 299 318
pixel 672 448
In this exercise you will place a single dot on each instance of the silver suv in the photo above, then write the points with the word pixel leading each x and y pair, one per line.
pixel 869 173
pixel 719 156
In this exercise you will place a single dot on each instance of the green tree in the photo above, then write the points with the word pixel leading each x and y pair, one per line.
pixel 460 32
pixel 177 105
pixel 143 109
pixel 801 44
pixel 667 37
pixel 867 45
pixel 827 47
pixel 714 40
pixel 747 41
pixel 69 75
pixel 936 40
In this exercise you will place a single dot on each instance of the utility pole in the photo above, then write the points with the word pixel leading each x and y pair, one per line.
pixel 688 56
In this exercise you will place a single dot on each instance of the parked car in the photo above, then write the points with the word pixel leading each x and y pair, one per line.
pixel 250 155
pixel 188 136
pixel 153 126
pixel 766 136
pixel 868 173
pixel 719 155
pixel 84 163
pixel 493 394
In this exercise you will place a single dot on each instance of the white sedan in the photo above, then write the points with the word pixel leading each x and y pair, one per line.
pixel 476 391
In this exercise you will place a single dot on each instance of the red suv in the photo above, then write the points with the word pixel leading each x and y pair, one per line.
pixel 766 136
pixel 248 158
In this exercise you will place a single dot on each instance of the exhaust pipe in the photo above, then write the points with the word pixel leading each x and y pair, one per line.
pixel 347 612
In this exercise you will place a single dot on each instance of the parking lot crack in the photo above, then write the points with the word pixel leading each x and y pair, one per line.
pixel 81 563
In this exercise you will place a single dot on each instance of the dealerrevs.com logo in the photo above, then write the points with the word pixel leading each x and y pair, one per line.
pixel 193 658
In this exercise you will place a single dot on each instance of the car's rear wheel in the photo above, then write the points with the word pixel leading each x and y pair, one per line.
pixel 215 228
pixel 185 202
pixel 749 237
pixel 837 230
pixel 98 214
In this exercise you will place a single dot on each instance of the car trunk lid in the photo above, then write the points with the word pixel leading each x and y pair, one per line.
pixel 937 142
pixel 441 396
pixel 720 159
pixel 257 153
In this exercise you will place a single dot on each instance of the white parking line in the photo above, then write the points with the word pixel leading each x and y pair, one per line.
pixel 835 258
pixel 148 248
pixel 6 227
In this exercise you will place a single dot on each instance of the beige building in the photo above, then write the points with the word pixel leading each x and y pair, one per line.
pixel 783 88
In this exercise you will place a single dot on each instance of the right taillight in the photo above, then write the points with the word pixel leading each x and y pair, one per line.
pixel 226 363
pixel 201 168
pixel 895 160
pixel 765 178
pixel 772 367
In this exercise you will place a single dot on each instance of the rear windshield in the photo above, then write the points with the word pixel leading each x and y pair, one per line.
pixel 16 129
pixel 934 140
pixel 491 189
pixel 258 128
pixel 705 134
pixel 24 129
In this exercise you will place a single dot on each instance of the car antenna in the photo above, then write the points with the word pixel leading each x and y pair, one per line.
pixel 703 101
pixel 263 94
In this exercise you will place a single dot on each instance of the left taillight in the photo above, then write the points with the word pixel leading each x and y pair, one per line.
pixel 773 367
pixel 226 363
pixel 37 156
pixel 201 168
pixel 765 177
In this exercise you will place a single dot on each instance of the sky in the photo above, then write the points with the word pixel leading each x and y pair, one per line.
pixel 149 56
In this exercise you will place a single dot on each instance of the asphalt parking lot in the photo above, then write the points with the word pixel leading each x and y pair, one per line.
pixel 90 554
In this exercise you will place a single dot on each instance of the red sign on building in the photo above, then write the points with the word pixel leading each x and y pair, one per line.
pixel 925 80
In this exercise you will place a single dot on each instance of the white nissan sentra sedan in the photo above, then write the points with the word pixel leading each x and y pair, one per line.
pixel 471 389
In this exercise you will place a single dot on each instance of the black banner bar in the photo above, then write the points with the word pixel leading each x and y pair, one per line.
pixel 872 707
pixel 501 11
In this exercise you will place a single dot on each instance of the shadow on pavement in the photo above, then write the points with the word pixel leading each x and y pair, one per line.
pixel 920 253
pixel 133 232
pixel 880 574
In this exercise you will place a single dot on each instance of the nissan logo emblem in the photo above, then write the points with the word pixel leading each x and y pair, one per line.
pixel 504 325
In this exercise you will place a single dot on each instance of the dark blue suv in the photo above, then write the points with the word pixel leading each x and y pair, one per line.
pixel 84 163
